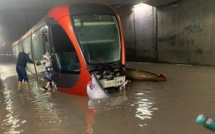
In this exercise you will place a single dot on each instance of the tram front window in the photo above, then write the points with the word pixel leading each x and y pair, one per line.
pixel 65 54
pixel 98 37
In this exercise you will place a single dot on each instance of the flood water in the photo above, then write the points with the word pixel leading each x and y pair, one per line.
pixel 143 108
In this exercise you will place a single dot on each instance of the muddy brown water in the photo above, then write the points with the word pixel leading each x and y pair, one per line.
pixel 142 108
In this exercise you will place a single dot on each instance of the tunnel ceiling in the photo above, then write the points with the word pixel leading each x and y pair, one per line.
pixel 18 16
pixel 44 4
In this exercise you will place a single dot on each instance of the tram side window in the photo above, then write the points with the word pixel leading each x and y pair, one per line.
pixel 37 45
pixel 45 40
pixel 27 44
pixel 13 48
pixel 64 51
pixel 20 47
pixel 16 50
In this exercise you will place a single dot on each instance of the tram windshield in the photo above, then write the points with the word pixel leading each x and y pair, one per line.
pixel 99 38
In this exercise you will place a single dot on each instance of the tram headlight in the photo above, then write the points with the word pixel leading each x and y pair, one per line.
pixel 98 94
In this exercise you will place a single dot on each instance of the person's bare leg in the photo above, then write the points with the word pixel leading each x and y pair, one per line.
pixel 26 85
pixel 19 85
pixel 47 85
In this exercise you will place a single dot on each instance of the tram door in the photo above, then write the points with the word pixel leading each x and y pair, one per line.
pixel 56 70
pixel 46 46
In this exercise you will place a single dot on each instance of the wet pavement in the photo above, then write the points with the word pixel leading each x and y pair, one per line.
pixel 143 108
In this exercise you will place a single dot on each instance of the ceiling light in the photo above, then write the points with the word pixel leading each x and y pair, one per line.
pixel 139 5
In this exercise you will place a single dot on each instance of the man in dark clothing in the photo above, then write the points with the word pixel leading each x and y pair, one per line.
pixel 23 58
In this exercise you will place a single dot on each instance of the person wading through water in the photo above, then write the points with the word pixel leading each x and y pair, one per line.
pixel 22 60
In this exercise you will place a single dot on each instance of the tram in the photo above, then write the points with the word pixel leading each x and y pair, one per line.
pixel 84 40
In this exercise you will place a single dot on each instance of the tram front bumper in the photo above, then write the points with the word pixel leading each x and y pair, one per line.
pixel 95 89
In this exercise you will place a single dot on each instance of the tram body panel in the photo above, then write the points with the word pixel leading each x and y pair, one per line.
pixel 81 85
pixel 58 12
pixel 122 41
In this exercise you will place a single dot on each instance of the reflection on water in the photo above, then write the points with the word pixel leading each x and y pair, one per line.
pixel 29 107
pixel 11 121
pixel 46 111
pixel 144 103
pixel 143 107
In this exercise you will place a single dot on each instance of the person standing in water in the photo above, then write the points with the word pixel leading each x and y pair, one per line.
pixel 23 58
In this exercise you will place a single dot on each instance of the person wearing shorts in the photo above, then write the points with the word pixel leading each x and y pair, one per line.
pixel 22 60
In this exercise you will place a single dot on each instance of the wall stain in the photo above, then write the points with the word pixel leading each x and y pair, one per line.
pixel 198 51
pixel 171 40
pixel 195 28
pixel 168 39
pixel 186 43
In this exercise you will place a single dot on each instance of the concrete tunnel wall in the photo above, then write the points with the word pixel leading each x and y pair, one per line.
pixel 185 33
pixel 139 32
